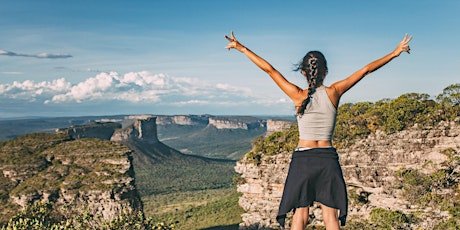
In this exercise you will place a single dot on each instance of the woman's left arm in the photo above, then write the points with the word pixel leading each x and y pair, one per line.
pixel 344 85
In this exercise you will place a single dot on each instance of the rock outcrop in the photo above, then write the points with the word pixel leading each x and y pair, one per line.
pixel 141 130
pixel 278 125
pixel 183 120
pixel 76 176
pixel 226 123
pixel 370 169
pixel 101 130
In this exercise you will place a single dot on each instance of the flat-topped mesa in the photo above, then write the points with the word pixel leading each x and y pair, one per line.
pixel 225 123
pixel 141 130
pixel 183 120
pixel 101 130
pixel 278 125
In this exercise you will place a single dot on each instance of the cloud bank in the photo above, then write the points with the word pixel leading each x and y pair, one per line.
pixel 110 91
pixel 40 55
pixel 134 87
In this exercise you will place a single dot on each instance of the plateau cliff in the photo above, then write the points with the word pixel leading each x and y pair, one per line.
pixel 158 167
pixel 274 125
pixel 101 130
pixel 162 169
pixel 77 177
pixel 413 173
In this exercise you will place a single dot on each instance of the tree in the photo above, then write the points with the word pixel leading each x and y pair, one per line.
pixel 450 95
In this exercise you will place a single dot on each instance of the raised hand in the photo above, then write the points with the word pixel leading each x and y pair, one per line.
pixel 234 44
pixel 403 46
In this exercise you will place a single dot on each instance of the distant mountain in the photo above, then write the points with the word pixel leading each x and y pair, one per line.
pixel 162 169
pixel 220 137
pixel 12 128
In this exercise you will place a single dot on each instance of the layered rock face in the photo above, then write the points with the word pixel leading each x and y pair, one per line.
pixel 76 176
pixel 141 130
pixel 234 124
pixel 278 125
pixel 217 122
pixel 101 130
pixel 370 169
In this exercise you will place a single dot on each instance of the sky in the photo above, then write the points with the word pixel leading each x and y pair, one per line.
pixel 110 57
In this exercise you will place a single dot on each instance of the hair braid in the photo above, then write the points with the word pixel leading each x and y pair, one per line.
pixel 314 64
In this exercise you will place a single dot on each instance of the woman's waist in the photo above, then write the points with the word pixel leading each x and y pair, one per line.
pixel 321 152
pixel 314 144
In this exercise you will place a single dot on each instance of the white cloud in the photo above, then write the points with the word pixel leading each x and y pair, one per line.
pixel 136 91
pixel 40 55
pixel 31 91
pixel 135 87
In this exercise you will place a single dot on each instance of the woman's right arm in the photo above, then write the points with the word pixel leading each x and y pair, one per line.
pixel 293 91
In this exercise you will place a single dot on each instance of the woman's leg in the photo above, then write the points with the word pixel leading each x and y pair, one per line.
pixel 300 219
pixel 330 217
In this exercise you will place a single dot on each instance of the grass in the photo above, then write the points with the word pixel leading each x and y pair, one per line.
pixel 204 209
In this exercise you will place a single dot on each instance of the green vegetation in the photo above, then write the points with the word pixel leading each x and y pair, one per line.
pixel 197 210
pixel 36 166
pixel 209 141
pixel 389 219
pixel 43 216
pixel 276 143
pixel 160 169
pixel 357 121
pixel 189 191
pixel 453 222
pixel 54 162
pixel 424 190
pixel 428 189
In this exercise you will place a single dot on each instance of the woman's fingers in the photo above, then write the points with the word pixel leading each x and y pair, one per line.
pixel 405 43
pixel 229 39
pixel 232 41
pixel 407 40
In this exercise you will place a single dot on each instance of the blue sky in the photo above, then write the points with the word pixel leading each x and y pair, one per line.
pixel 66 58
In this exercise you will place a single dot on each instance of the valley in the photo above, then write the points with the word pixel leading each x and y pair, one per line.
pixel 183 165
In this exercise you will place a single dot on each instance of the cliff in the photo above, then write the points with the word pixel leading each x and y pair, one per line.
pixel 221 122
pixel 278 125
pixel 183 120
pixel 101 130
pixel 91 176
pixel 142 130
pixel 414 171
pixel 162 169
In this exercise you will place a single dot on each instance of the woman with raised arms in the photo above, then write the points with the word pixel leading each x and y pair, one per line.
pixel 314 173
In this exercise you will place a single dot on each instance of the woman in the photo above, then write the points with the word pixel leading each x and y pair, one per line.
pixel 315 173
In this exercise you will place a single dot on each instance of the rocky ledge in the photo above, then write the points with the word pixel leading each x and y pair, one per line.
pixel 76 176
pixel 374 170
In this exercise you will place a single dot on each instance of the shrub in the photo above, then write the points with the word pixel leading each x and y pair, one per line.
pixel 41 216
pixel 276 143
pixel 389 219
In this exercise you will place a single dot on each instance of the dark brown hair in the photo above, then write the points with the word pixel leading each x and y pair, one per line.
pixel 315 66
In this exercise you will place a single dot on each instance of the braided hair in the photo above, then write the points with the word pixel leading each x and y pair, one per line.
pixel 315 66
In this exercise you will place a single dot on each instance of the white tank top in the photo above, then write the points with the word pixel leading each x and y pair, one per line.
pixel 318 120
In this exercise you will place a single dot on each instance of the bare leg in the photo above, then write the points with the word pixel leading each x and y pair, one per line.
pixel 300 219
pixel 330 217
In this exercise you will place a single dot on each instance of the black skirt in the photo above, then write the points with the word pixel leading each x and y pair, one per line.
pixel 314 175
